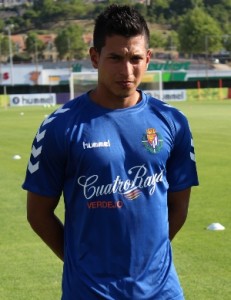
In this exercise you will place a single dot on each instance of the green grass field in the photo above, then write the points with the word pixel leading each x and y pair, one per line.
pixel 29 270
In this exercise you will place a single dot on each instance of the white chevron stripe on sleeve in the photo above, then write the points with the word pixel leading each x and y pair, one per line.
pixel 33 168
pixel 40 135
pixel 192 156
pixel 61 110
pixel 36 151
pixel 48 120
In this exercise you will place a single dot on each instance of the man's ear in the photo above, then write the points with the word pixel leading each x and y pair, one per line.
pixel 149 56
pixel 94 55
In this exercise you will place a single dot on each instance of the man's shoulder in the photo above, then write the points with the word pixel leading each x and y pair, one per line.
pixel 59 120
pixel 165 109
pixel 72 107
pixel 74 104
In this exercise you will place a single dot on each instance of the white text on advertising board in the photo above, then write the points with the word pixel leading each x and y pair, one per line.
pixel 32 99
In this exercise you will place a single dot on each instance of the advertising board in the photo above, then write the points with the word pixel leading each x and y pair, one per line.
pixel 32 99
pixel 168 95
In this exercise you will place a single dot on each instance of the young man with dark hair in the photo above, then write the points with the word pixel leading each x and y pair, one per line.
pixel 125 165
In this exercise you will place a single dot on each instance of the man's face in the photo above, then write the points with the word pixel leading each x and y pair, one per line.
pixel 121 65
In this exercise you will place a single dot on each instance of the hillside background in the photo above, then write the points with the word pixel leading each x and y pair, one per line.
pixel 193 28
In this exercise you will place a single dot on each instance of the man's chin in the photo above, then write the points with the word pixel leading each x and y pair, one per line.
pixel 123 94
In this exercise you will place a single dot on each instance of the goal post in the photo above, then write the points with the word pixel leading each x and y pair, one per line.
pixel 81 82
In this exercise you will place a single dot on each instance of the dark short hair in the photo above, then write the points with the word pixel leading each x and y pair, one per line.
pixel 119 20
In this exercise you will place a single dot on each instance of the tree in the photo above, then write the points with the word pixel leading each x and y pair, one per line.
pixel 227 42
pixel 158 10
pixel 172 41
pixel 182 7
pixel 69 43
pixel 221 13
pixel 199 33
pixel 34 46
pixel 1 25
pixel 158 39
pixel 197 3
pixel 4 46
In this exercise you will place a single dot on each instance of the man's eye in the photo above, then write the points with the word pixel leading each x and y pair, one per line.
pixel 136 58
pixel 115 57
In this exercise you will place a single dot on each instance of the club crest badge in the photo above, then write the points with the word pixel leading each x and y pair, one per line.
pixel 152 140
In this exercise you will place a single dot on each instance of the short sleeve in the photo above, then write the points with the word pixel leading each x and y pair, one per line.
pixel 46 167
pixel 181 166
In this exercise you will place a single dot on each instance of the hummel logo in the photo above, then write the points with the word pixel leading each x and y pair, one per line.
pixel 96 145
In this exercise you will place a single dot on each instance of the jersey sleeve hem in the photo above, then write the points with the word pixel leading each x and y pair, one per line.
pixel 182 187
pixel 40 192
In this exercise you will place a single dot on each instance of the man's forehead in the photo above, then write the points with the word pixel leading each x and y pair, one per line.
pixel 117 43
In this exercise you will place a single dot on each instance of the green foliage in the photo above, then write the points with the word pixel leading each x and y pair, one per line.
pixel 196 27
pixel 1 25
pixel 21 57
pixel 161 39
pixel 119 2
pixel 142 9
pixel 54 11
pixel 182 8
pixel 33 44
pixel 222 13
pixel 156 11
pixel 4 45
pixel 31 14
pixel 172 41
pixel 157 39
pixel 197 3
pixel 227 43
pixel 191 19
pixel 51 11
pixel 69 42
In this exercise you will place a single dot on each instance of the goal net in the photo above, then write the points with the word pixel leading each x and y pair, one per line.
pixel 81 82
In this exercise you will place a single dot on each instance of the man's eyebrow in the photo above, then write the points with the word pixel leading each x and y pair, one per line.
pixel 114 54
pixel 122 54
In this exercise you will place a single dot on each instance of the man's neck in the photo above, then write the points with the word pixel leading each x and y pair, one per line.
pixel 115 102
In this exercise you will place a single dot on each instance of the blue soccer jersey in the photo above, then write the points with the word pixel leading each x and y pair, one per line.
pixel 114 168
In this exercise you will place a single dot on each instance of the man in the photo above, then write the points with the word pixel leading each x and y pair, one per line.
pixel 124 162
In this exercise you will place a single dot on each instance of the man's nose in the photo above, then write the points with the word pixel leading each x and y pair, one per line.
pixel 126 68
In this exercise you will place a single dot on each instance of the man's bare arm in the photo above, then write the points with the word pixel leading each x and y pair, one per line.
pixel 178 203
pixel 41 216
